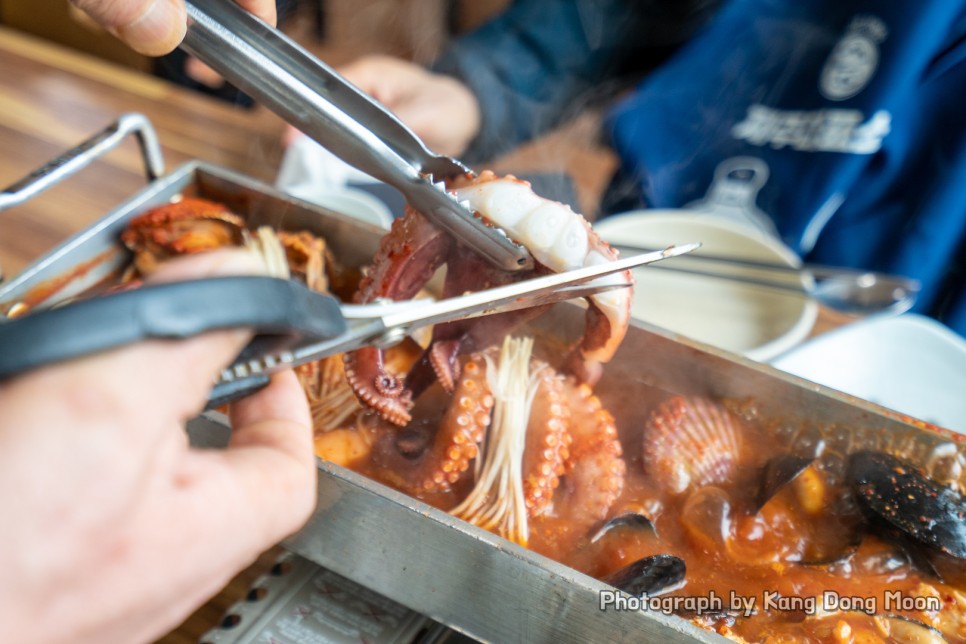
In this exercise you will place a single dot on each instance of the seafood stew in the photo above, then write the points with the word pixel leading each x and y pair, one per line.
pixel 766 515
pixel 800 520
pixel 777 444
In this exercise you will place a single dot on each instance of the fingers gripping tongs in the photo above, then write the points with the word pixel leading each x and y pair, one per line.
pixel 294 325
pixel 311 96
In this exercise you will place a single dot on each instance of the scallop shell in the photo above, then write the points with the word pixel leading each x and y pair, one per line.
pixel 690 443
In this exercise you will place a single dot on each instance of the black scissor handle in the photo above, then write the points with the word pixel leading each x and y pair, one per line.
pixel 282 312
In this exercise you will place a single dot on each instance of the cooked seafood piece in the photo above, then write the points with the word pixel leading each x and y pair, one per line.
pixel 561 240
pixel 550 449
pixel 183 227
pixel 628 519
pixel 782 470
pixel 689 443
pixel 927 519
pixel 595 471
pixel 506 494
pixel 812 514
pixel 653 576
pixel 414 250
pixel 434 452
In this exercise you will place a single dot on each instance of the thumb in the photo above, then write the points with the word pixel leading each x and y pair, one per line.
pixel 150 27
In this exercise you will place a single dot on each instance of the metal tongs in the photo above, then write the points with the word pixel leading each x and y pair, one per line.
pixel 293 325
pixel 311 96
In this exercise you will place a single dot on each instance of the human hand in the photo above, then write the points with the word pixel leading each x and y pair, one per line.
pixel 115 528
pixel 155 27
pixel 441 110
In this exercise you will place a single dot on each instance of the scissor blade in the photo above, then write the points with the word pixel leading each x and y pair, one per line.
pixel 533 292
pixel 377 323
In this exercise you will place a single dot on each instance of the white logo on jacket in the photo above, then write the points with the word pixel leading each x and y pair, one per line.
pixel 829 130
pixel 853 60
pixel 848 70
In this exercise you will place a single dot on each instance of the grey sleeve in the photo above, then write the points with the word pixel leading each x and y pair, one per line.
pixel 543 61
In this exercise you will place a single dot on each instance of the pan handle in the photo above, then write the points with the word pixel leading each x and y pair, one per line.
pixel 82 155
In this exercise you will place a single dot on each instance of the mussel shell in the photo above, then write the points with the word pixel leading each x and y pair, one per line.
pixel 652 576
pixel 634 520
pixel 897 493
pixel 905 507
pixel 779 472
pixel 829 521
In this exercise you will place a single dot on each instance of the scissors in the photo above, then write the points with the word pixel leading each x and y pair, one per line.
pixel 293 324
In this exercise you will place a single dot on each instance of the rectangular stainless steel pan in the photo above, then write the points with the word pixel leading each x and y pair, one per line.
pixel 95 253
pixel 415 554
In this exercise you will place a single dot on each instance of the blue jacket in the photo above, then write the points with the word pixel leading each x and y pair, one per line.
pixel 840 121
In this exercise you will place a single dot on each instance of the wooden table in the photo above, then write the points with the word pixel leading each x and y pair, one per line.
pixel 53 98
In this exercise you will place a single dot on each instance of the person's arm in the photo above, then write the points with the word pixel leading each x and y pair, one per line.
pixel 542 61
pixel 115 529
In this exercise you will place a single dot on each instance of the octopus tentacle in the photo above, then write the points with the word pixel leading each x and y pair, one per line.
pixel 455 444
pixel 595 472
pixel 527 446
pixel 407 257
pixel 443 358
pixel 375 387
pixel 561 240
pixel 547 442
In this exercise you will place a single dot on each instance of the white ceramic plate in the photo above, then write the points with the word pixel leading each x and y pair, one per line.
pixel 757 322
pixel 908 363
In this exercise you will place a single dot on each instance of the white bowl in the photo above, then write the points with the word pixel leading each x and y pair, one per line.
pixel 910 363
pixel 347 201
pixel 752 320
pixel 310 172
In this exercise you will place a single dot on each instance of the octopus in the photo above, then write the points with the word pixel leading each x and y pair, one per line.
pixel 411 253
pixel 504 438
pixel 529 443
